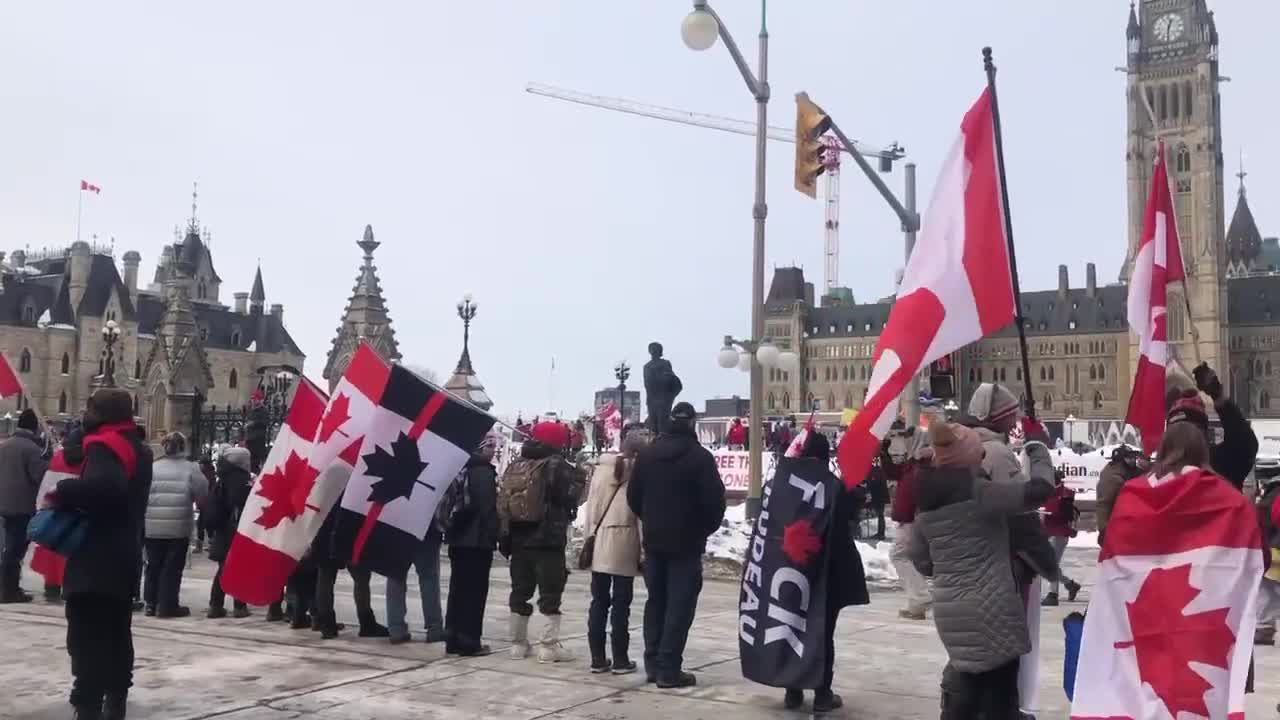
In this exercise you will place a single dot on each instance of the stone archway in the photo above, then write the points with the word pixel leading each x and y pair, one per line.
pixel 158 410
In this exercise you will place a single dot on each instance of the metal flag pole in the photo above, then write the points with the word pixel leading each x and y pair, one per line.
pixel 79 211
pixel 990 67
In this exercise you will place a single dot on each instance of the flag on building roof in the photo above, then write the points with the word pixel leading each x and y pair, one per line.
pixel 418 438
pixel 90 187
pixel 956 289
pixel 1157 263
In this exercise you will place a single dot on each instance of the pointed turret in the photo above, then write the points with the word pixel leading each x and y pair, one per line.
pixel 1244 241
pixel 1134 32
pixel 257 297
pixel 365 317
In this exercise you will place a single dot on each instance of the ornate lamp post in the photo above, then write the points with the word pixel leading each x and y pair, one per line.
pixel 755 357
pixel 467 311
pixel 110 335
pixel 622 371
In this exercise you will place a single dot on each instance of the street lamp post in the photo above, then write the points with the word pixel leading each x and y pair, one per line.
pixel 110 334
pixel 756 357
pixel 466 311
pixel 622 371
pixel 700 30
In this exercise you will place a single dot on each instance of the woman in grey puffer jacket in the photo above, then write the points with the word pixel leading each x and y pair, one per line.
pixel 176 484
pixel 961 539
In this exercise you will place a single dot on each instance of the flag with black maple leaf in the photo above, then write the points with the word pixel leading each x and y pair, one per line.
pixel 419 438
pixel 1169 632
pixel 782 608
pixel 271 539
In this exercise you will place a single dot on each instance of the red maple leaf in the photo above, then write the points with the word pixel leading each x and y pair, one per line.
pixel 1166 641
pixel 800 542
pixel 278 487
pixel 337 414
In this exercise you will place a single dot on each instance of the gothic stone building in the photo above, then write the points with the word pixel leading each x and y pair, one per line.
pixel 176 339
pixel 1082 358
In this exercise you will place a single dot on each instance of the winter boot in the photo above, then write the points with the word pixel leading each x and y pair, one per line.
pixel 825 701
pixel 115 705
pixel 275 613
pixel 1073 589
pixel 675 681
pixel 88 711
pixel 793 699
pixel 519 625
pixel 1264 635
pixel 551 651
pixel 370 627
pixel 1050 600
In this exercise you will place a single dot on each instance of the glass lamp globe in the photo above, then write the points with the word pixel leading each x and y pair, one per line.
pixel 728 357
pixel 768 354
pixel 788 361
pixel 699 30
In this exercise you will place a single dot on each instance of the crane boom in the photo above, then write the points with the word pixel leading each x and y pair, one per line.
pixel 831 235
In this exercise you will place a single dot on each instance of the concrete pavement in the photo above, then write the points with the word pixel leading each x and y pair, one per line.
pixel 249 669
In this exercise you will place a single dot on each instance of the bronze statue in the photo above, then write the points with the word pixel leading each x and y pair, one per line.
pixel 661 386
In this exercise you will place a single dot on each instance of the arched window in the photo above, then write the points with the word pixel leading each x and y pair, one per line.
pixel 29 313
pixel 66 363
pixel 1048 401
pixel 1044 374
pixel 1093 372
pixel 232 380
pixel 786 401
pixel 809 405
pixel 844 373
pixel 1268 368
pixel 1182 159
pixel 1097 400
pixel 771 399
pixel 831 401
pixel 1017 372
pixel 1162 104
pixel 1003 377
pixel 1186 100
pixel 1175 104
pixel 1264 400
pixel 62 401
pixel 24 361
pixel 1050 372
pixel 1257 367
pixel 848 399
pixel 973 375
pixel 1102 372
pixel 137 368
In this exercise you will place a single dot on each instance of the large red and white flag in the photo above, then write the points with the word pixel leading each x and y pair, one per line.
pixel 271 537
pixel 10 385
pixel 611 419
pixel 1170 625
pixel 1157 263
pixel 418 440
pixel 86 186
pixel 955 290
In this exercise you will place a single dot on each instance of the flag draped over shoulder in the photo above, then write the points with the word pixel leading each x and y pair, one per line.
pixel 956 288
pixel 272 535
pixel 782 607
pixel 1157 263
pixel 418 438
pixel 1169 632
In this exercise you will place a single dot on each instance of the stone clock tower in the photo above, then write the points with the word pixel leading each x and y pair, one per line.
pixel 1173 95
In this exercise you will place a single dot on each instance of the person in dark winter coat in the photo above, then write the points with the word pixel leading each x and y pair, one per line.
pixel 847 581
pixel 1234 457
pixel 224 507
pixel 22 467
pixel 472 537
pixel 877 491
pixel 677 493
pixel 328 562
pixel 111 492
pixel 537 548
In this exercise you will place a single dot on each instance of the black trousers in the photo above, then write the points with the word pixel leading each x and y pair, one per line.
pixel 990 695
pixel 610 605
pixel 301 593
pixel 674 582
pixel 218 598
pixel 468 593
pixel 15 549
pixel 162 581
pixel 327 577
pixel 100 643
pixel 540 569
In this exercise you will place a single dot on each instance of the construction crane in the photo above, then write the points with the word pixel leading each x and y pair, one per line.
pixel 831 232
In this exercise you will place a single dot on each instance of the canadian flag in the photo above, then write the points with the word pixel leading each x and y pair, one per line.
pixel 10 385
pixel 956 287
pixel 271 537
pixel 1158 263
pixel 43 560
pixel 90 187
pixel 1169 631
pixel 611 418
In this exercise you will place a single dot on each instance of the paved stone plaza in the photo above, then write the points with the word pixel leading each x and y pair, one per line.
pixel 251 670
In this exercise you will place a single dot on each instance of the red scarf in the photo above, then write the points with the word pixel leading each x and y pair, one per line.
pixel 113 436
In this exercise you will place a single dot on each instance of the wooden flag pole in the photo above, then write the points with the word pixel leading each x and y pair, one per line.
pixel 990 67
pixel 1186 296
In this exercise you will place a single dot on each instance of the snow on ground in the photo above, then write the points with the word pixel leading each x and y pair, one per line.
pixel 731 542
pixel 1087 540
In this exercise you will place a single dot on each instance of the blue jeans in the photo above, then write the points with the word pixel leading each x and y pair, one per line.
pixel 427 565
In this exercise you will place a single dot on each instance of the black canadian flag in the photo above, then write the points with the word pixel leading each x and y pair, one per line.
pixel 419 438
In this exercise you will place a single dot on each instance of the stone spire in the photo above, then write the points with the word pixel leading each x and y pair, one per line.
pixel 257 297
pixel 365 317
pixel 177 363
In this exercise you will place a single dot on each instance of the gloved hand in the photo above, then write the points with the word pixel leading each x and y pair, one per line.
pixel 1033 430
pixel 1207 381
pixel 504 546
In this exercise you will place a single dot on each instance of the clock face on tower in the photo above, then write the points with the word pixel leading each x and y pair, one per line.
pixel 1169 27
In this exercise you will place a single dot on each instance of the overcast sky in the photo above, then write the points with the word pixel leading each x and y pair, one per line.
pixel 583 234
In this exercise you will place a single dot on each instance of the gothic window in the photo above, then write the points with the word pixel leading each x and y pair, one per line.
pixel 1048 401
pixel 1264 400
pixel 1093 373
pixel 848 399
pixel 1162 109
pixel 979 374
pixel 1175 106
pixel 23 404
pixel 62 401
pixel 1102 372
pixel 972 375
pixel 844 373
pixel 24 361
pixel 1097 401
pixel 771 400
pixel 809 405
pixel 1050 372
pixel 232 381
pixel 1186 99
pixel 137 368
pixel 1182 159
pixel 1002 375
pixel 831 401
pixel 1018 374
pixel 66 363
pixel 862 372
pixel 1044 375
pixel 235 338
pixel 28 313
pixel 200 290
pixel 786 401
pixel 1257 368
pixel 1268 368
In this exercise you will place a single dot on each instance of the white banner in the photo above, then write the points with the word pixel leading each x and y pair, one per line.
pixel 735 469
pixel 1081 471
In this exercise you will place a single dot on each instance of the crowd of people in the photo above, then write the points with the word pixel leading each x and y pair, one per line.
pixel 975 526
